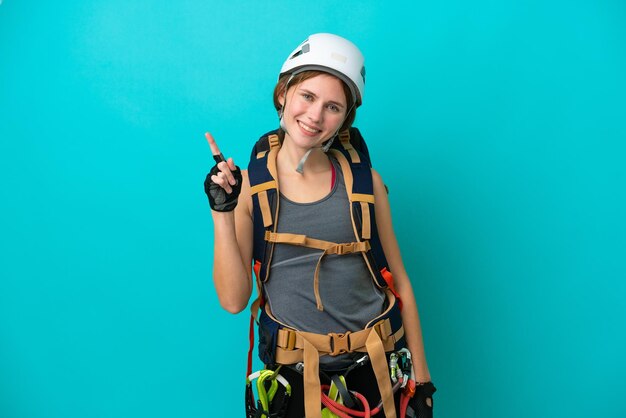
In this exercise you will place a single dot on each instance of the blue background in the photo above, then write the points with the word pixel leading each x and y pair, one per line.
pixel 499 128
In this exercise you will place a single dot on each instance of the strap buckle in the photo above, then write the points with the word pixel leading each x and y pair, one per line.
pixel 339 343
pixel 345 248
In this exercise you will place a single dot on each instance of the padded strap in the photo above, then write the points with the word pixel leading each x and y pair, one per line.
pixel 264 204
pixel 355 197
pixel 344 137
pixel 266 212
pixel 273 141
pixel 345 169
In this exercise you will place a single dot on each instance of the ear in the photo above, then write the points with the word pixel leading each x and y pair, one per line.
pixel 281 99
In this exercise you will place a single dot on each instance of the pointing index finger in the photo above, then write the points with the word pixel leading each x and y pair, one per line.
pixel 217 155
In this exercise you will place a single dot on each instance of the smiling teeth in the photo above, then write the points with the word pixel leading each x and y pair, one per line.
pixel 306 128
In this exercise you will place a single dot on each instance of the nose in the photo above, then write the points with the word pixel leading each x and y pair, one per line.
pixel 316 112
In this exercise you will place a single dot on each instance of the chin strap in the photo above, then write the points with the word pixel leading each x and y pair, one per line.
pixel 325 148
pixel 300 167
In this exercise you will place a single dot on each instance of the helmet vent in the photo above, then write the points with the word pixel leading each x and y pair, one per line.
pixel 305 48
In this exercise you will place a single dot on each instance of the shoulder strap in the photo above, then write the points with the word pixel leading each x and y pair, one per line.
pixel 264 189
pixel 352 153
pixel 356 167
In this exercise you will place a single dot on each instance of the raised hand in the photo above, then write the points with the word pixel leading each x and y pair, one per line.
pixel 223 183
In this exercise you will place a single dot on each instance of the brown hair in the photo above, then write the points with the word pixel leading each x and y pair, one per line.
pixel 305 75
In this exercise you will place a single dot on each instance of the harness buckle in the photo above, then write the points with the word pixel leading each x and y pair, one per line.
pixel 339 343
pixel 345 248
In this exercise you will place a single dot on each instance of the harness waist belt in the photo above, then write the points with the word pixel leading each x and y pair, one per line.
pixel 296 346
pixel 290 343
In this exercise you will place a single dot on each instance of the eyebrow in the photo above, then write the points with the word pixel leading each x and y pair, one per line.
pixel 315 95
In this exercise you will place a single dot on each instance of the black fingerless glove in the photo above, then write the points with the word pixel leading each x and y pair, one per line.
pixel 219 200
pixel 421 404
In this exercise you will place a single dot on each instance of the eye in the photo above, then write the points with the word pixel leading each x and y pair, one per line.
pixel 333 108
pixel 307 97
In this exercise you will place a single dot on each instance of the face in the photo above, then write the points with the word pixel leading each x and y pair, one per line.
pixel 315 110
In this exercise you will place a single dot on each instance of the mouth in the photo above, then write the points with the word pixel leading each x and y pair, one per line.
pixel 308 129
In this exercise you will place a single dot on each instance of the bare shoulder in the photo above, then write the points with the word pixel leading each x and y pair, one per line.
pixel 380 191
pixel 377 177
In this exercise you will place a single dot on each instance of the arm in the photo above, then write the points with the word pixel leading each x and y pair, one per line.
pixel 410 316
pixel 232 253
pixel 233 231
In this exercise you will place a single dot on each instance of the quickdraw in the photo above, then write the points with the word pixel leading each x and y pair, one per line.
pixel 267 387
pixel 400 366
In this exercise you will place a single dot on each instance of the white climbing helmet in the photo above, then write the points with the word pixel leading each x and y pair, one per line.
pixel 332 54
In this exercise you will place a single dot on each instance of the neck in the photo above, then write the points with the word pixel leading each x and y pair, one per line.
pixel 289 157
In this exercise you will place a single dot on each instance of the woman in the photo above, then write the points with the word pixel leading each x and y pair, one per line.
pixel 315 291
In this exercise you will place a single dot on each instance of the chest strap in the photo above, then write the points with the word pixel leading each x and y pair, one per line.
pixel 328 247
pixel 296 346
